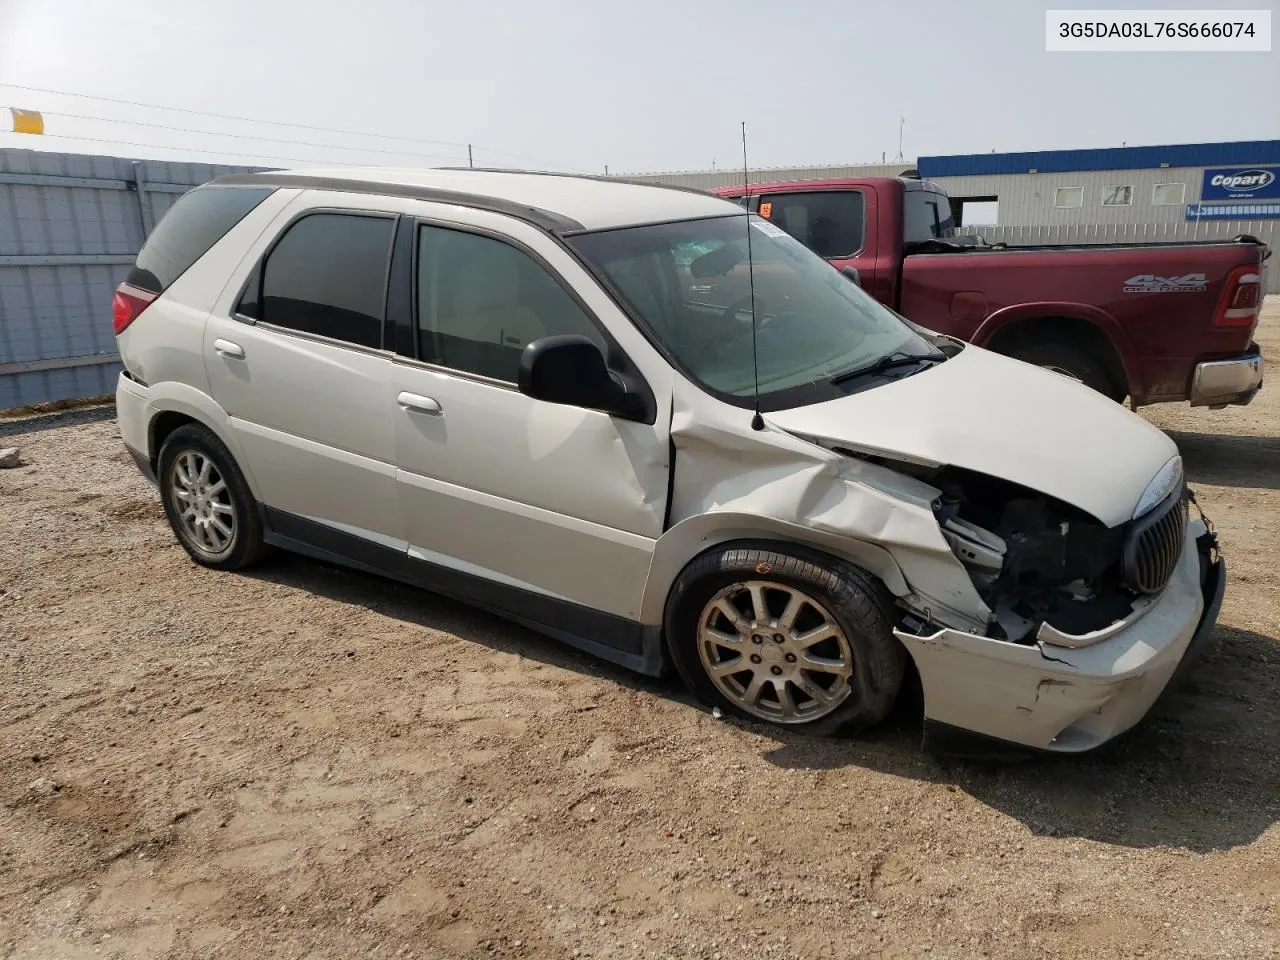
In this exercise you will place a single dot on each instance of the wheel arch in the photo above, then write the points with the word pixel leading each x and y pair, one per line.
pixel 1076 324
pixel 172 405
pixel 686 541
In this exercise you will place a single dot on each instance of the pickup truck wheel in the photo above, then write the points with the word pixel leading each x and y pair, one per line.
pixel 796 639
pixel 1070 361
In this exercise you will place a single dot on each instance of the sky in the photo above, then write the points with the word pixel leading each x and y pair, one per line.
pixel 658 85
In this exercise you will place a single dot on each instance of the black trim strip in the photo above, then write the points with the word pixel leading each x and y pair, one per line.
pixel 609 637
pixel 544 219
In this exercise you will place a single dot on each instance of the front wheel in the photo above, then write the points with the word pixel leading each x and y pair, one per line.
pixel 791 638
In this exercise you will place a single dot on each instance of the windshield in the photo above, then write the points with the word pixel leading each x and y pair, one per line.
pixel 689 283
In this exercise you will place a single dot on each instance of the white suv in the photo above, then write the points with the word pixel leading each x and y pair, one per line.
pixel 653 426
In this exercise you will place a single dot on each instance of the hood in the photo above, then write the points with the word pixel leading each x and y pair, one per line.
pixel 994 415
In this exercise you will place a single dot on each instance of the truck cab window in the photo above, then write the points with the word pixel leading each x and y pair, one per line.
pixel 828 223
pixel 926 216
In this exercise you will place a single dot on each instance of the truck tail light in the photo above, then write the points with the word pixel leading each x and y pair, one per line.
pixel 128 304
pixel 1241 299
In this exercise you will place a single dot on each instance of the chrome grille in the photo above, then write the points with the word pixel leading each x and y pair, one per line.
pixel 1154 545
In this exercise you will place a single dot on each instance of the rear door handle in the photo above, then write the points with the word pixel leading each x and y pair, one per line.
pixel 418 403
pixel 228 349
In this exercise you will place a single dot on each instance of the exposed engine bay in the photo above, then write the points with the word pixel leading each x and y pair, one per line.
pixel 1033 559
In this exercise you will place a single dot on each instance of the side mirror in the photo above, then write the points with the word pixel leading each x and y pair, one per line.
pixel 852 274
pixel 570 369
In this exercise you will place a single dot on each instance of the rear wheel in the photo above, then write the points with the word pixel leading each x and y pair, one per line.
pixel 789 638
pixel 207 501
pixel 1069 361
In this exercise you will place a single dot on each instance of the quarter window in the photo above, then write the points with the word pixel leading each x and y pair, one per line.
pixel 482 301
pixel 197 221
pixel 1165 194
pixel 328 276
pixel 1068 197
pixel 829 224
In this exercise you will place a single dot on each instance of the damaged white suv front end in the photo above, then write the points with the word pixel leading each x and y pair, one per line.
pixel 1094 572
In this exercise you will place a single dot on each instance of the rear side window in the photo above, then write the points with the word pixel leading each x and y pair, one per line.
pixel 829 224
pixel 926 215
pixel 328 276
pixel 195 223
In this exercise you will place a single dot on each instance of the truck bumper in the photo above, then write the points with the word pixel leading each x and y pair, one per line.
pixel 1068 700
pixel 1218 383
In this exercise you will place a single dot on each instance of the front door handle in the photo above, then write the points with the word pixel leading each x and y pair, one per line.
pixel 229 349
pixel 418 403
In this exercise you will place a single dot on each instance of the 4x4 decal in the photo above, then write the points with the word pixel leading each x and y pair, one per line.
pixel 1149 283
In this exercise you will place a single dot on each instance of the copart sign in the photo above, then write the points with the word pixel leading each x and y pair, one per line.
pixel 1240 183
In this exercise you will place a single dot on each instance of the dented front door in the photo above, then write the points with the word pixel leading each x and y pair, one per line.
pixel 555 499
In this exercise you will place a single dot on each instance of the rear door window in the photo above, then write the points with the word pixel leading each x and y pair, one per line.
pixel 327 276
pixel 926 216
pixel 198 220
pixel 831 224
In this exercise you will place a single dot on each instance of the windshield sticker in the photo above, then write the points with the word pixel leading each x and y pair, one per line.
pixel 1148 283
pixel 768 229
pixel 766 209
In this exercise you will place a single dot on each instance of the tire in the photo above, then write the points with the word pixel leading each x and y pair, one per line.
pixel 1072 361
pixel 823 703
pixel 204 494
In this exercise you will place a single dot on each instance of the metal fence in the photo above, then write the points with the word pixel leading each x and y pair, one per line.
pixel 1036 235
pixel 70 226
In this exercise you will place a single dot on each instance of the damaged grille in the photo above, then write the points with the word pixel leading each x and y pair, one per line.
pixel 1154 545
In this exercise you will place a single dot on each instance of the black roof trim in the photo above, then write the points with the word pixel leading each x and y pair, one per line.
pixel 545 219
pixel 585 176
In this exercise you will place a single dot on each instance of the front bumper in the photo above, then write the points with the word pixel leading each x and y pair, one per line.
pixel 1218 383
pixel 1069 700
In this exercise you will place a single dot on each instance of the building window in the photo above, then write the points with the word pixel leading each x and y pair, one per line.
pixel 1121 196
pixel 1068 197
pixel 1165 194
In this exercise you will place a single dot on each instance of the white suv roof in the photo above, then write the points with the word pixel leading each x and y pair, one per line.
pixel 568 202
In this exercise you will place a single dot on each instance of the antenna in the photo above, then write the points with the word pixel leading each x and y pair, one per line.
pixel 757 421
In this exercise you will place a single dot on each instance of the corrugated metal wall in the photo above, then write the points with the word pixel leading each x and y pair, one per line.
pixel 70 226
pixel 1029 198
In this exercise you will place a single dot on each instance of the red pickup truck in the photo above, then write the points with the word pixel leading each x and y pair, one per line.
pixel 1151 322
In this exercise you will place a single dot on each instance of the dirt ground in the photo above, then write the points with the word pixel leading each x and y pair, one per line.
pixel 307 762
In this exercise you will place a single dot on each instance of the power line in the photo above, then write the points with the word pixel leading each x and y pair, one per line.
pixel 247 136
pixel 277 123
pixel 167 146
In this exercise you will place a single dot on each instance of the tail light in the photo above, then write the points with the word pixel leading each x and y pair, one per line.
pixel 1241 298
pixel 128 304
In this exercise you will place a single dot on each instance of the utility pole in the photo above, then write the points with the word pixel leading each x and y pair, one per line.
pixel 470 163
pixel 901 123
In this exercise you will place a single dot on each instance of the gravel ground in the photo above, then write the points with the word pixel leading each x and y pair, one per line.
pixel 307 762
